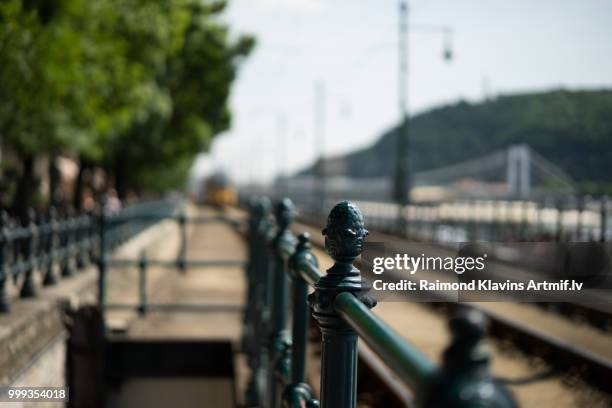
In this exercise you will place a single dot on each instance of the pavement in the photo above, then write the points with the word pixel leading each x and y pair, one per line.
pixel 220 290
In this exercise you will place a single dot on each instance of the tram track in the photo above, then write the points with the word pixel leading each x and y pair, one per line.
pixel 561 354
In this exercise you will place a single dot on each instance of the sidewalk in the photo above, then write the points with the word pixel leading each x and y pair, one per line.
pixel 214 286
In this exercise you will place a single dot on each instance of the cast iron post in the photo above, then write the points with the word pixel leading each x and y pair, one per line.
pixel 251 320
pixel 298 392
pixel 249 313
pixel 581 202
pixel 604 219
pixel 79 260
pixel 279 337
pixel 263 303
pixel 102 264
pixel 559 230
pixel 28 288
pixel 142 284
pixel 464 380
pixel 182 256
pixel 66 242
pixel 5 305
pixel 91 234
pixel 344 236
pixel 50 278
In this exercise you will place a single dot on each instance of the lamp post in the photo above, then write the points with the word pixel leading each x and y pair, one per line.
pixel 402 182
pixel 402 188
pixel 319 128
pixel 282 188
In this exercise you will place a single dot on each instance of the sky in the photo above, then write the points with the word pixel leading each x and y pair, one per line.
pixel 348 50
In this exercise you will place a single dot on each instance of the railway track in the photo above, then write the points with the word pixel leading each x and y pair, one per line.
pixel 597 313
pixel 561 354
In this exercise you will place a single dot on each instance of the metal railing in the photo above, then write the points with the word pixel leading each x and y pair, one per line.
pixel 58 246
pixel 570 218
pixel 132 222
pixel 280 271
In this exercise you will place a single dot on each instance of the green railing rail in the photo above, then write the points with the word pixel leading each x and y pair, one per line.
pixel 56 245
pixel 280 271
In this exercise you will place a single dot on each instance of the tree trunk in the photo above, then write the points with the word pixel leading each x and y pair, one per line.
pixel 54 181
pixel 121 182
pixel 77 199
pixel 25 187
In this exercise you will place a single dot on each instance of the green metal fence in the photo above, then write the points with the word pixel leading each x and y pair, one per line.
pixel 56 246
pixel 280 271
pixel 133 222
pixel 282 268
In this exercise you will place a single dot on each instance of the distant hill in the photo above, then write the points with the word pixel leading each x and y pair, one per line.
pixel 573 129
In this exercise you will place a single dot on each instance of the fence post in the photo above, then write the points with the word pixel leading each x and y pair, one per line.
pixel 50 278
pixel 256 314
pixel 559 228
pixel 255 218
pixel 79 241
pixel 344 236
pixel 279 337
pixel 604 219
pixel 91 235
pixel 298 392
pixel 249 338
pixel 142 284
pixel 263 294
pixel 66 243
pixel 464 380
pixel 182 255
pixel 5 305
pixel 102 263
pixel 28 287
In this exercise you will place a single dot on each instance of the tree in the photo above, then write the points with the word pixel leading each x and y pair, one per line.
pixel 136 86
pixel 196 76
pixel 39 72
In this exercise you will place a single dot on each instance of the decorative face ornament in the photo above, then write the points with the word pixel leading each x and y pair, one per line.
pixel 344 232
pixel 284 213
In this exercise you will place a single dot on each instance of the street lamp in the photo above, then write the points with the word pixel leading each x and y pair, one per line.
pixel 319 130
pixel 402 182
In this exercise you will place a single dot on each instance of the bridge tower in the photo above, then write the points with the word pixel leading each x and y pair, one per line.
pixel 518 176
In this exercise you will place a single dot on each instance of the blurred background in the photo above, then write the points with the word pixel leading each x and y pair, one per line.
pixel 331 80
pixel 135 98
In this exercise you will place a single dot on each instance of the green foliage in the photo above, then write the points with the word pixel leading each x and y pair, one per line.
pixel 573 129
pixel 195 76
pixel 131 82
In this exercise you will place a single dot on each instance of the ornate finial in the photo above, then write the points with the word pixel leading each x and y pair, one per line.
pixel 253 202
pixel 5 219
pixel 31 216
pixel 284 213
pixel 302 252
pixel 69 211
pixel 344 236
pixel 344 232
pixel 468 325
pixel 303 242
pixel 255 213
pixel 464 380
pixel 468 328
pixel 260 215
pixel 5 224
pixel 265 204
pixel 258 208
